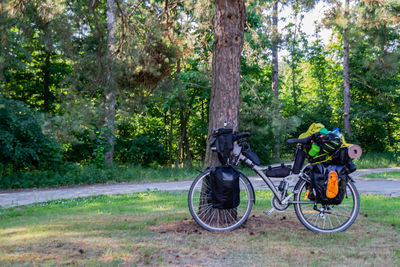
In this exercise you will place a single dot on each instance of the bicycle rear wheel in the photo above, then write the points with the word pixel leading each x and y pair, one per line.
pixel 213 219
pixel 327 218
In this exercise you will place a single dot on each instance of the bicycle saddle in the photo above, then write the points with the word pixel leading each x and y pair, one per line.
pixel 299 140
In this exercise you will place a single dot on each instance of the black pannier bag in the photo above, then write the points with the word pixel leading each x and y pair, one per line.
pixel 319 178
pixel 341 157
pixel 225 190
pixel 278 171
pixel 223 143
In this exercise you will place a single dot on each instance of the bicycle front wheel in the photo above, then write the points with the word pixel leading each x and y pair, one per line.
pixel 213 219
pixel 327 218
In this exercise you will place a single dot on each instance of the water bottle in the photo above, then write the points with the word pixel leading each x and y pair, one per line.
pixel 314 150
pixel 337 132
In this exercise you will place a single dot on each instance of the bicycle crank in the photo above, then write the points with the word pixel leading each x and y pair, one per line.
pixel 277 205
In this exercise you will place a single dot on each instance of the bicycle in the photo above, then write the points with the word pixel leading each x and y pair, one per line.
pixel 313 215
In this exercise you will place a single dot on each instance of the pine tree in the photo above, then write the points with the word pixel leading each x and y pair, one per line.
pixel 229 23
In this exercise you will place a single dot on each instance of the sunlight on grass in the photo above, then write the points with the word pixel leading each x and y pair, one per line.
pixel 385 175
pixel 377 160
pixel 122 230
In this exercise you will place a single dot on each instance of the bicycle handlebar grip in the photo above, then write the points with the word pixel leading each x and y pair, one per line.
pixel 242 135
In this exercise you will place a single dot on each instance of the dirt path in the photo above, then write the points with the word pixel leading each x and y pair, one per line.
pixel 25 197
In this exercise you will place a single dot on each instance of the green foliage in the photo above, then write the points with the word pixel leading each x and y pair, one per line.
pixel 143 149
pixel 101 147
pixel 53 57
pixel 22 142
pixel 32 67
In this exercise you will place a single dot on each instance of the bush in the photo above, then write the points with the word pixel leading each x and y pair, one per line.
pixel 143 149
pixel 22 142
pixel 73 174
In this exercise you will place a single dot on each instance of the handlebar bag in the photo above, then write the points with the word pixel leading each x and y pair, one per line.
pixel 329 184
pixel 223 143
pixel 225 191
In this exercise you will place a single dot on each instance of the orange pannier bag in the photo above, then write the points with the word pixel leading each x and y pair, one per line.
pixel 333 185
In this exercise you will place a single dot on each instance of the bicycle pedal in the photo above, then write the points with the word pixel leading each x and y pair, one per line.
pixel 269 212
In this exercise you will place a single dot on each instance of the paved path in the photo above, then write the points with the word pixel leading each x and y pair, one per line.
pixel 25 197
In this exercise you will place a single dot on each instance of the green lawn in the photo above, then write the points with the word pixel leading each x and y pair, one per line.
pixel 155 228
pixel 377 160
pixel 385 175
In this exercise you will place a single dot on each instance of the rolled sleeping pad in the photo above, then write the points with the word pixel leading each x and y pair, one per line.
pixel 355 151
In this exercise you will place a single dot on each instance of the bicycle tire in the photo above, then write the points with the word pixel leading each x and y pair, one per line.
pixel 219 220
pixel 335 218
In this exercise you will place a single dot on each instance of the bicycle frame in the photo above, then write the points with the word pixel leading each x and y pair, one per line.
pixel 313 214
pixel 260 172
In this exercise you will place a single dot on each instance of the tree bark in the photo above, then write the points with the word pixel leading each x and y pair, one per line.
pixel 229 22
pixel 46 82
pixel 275 68
pixel 293 58
pixel 188 160
pixel 170 137
pixel 275 42
pixel 110 85
pixel 346 74
pixel 47 96
pixel 181 150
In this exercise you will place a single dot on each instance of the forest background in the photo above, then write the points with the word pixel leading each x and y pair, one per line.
pixel 104 91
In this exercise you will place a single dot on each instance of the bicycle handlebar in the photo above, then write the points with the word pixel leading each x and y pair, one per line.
pixel 239 136
pixel 301 140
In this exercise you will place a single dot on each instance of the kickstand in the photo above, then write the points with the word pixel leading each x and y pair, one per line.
pixel 269 212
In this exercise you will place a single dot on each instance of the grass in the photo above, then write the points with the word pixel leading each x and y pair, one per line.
pixel 385 175
pixel 154 228
pixel 377 160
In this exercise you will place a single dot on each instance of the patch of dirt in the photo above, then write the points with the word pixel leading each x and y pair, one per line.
pixel 254 225
pixel 184 226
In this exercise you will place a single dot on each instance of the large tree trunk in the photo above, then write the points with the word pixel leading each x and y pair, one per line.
pixel 346 75
pixel 110 84
pixel 229 22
